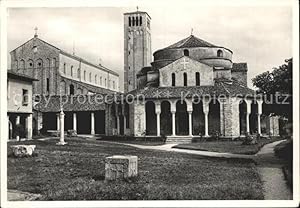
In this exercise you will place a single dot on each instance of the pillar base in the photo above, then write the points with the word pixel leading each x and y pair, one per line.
pixel 61 143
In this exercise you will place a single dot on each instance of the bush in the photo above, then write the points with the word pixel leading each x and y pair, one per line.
pixel 71 133
pixel 249 140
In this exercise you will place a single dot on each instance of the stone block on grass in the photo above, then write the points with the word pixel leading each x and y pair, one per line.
pixel 23 150
pixel 120 167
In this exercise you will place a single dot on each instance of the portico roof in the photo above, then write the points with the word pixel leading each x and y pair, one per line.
pixel 221 87
pixel 70 103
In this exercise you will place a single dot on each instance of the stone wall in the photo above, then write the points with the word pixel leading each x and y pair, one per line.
pixel 206 73
pixel 240 76
pixel 139 113
pixel 40 60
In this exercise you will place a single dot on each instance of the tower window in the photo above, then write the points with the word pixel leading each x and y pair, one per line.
pixel 137 21
pixel 25 97
pixel 84 75
pixel 220 53
pixel 129 21
pixel 186 52
pixel 184 79
pixel 78 73
pixel 90 77
pixel 197 79
pixel 173 79
pixel 71 89
pixel 141 21
pixel 133 22
pixel 71 71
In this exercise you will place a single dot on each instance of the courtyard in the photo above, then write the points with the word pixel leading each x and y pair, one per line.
pixel 76 172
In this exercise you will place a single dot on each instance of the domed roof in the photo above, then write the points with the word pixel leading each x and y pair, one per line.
pixel 190 42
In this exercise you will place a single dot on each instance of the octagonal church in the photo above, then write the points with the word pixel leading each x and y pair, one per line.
pixel 191 88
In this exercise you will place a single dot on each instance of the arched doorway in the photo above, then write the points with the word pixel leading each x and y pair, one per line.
pixel 165 118
pixel 182 122
pixel 198 118
pixel 150 118
pixel 214 117
pixel 253 118
pixel 71 89
pixel 243 114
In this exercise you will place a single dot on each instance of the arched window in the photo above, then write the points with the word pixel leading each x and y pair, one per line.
pixel 184 79
pixel 220 53
pixel 71 71
pixel 84 75
pixel 113 84
pixel 137 21
pixel 90 77
pixel 22 65
pixel 71 89
pixel 100 80
pixel 197 79
pixel 173 79
pixel 96 79
pixel 141 21
pixel 78 73
pixel 105 82
pixel 129 21
pixel 64 68
pixel 133 21
pixel 186 52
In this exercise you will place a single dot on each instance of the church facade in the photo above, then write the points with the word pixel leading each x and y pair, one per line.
pixel 191 88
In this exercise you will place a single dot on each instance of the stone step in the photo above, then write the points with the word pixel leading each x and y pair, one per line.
pixel 179 140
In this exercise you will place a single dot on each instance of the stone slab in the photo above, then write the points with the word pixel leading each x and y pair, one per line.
pixel 121 167
pixel 22 150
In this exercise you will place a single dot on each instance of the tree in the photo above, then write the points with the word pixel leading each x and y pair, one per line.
pixel 278 83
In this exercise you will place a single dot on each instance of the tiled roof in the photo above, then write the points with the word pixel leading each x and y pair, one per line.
pixel 16 75
pixel 242 67
pixel 227 88
pixel 70 103
pixel 189 42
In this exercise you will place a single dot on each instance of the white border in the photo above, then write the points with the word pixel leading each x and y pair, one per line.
pixel 154 3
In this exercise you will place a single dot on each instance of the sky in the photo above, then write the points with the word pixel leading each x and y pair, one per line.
pixel 259 35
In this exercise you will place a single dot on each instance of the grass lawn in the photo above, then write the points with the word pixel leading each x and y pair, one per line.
pixel 235 147
pixel 76 172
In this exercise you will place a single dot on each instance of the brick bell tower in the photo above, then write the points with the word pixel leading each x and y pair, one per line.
pixel 137 46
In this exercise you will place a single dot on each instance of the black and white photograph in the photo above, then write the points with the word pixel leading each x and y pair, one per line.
pixel 149 103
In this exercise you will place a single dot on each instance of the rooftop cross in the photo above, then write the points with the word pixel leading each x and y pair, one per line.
pixel 184 62
pixel 35 34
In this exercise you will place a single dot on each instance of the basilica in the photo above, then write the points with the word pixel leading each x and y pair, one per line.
pixel 190 88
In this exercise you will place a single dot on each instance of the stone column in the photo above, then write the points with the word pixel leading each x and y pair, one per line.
pixel 57 122
pixel 222 117
pixel 157 111
pixel 190 123
pixel 248 115
pixel 75 121
pixel 61 128
pixel 259 112
pixel 124 123
pixel 29 126
pixel 118 125
pixel 173 111
pixel 17 123
pixel 92 123
pixel 206 111
pixel 189 105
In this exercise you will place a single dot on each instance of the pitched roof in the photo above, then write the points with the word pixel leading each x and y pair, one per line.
pixel 71 56
pixel 19 76
pixel 221 87
pixel 190 42
pixel 70 103
pixel 239 67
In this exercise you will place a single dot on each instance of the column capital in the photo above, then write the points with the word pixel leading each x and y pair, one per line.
pixel 259 107
pixel 205 107
pixel 173 106
pixel 157 107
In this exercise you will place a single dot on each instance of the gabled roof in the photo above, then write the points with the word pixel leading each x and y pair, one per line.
pixel 19 76
pixel 239 67
pixel 70 55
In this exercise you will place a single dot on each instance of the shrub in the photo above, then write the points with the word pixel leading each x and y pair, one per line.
pixel 249 140
pixel 71 133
